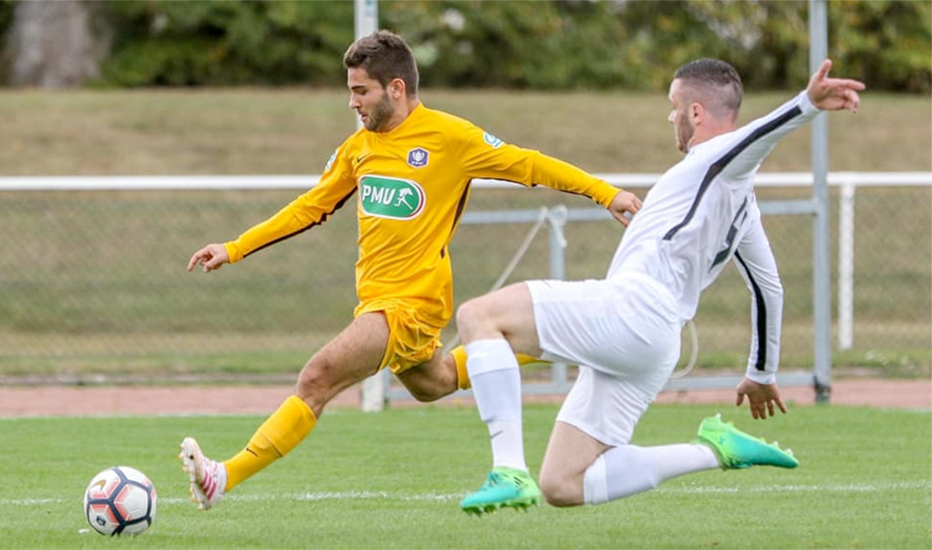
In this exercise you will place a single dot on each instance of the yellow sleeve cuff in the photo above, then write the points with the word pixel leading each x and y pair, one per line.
pixel 233 252
pixel 605 194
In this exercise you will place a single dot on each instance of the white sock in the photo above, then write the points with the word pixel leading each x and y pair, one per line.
pixel 627 470
pixel 496 385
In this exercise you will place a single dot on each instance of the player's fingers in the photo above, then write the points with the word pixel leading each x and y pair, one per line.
pixel 214 263
pixel 852 84
pixel 194 259
pixel 853 100
pixel 781 404
pixel 739 400
pixel 770 408
pixel 823 70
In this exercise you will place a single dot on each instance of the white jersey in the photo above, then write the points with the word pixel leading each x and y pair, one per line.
pixel 703 212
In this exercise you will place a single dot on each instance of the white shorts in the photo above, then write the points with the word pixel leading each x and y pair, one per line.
pixel 625 336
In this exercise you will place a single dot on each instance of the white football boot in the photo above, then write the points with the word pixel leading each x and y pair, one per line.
pixel 207 478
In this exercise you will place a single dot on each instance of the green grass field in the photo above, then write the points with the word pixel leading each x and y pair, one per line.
pixel 393 480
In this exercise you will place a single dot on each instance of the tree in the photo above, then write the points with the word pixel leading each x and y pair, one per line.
pixel 51 44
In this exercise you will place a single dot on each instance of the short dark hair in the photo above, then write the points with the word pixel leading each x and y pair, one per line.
pixel 716 81
pixel 385 56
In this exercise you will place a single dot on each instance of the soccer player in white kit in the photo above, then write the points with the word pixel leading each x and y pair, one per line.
pixel 624 331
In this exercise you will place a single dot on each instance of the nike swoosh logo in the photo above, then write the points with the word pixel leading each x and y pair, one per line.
pixel 360 158
pixel 496 434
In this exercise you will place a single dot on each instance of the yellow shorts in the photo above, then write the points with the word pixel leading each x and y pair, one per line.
pixel 413 337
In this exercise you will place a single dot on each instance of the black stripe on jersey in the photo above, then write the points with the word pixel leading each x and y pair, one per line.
pixel 730 238
pixel 761 363
pixel 721 163
pixel 460 206
pixel 323 218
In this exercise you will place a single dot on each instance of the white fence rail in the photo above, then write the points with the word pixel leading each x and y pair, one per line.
pixel 154 183
pixel 848 182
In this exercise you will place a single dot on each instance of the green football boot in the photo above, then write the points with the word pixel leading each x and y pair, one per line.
pixel 503 488
pixel 736 449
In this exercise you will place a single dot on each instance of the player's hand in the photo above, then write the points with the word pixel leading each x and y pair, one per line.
pixel 762 398
pixel 624 202
pixel 212 257
pixel 833 94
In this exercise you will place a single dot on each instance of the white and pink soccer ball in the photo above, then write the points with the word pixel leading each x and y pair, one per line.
pixel 120 501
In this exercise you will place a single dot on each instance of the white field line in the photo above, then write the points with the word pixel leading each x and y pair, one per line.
pixel 441 497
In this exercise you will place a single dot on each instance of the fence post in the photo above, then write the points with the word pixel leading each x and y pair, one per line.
pixel 846 266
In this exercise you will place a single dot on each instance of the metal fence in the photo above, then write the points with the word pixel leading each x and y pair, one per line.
pixel 93 283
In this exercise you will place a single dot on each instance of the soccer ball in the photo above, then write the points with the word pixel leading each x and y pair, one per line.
pixel 120 501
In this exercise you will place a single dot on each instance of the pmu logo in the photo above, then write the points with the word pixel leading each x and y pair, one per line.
pixel 391 198
pixel 417 157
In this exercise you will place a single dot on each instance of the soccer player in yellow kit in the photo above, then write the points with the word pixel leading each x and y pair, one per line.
pixel 410 169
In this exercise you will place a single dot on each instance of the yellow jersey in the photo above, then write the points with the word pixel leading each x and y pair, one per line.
pixel 412 186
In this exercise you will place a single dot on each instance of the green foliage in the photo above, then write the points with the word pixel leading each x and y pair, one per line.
pixel 393 480
pixel 227 43
pixel 886 42
pixel 566 44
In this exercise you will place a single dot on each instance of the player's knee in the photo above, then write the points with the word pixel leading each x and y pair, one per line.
pixel 315 384
pixel 470 316
pixel 560 491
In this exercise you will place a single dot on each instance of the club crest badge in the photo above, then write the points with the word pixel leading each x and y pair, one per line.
pixel 418 157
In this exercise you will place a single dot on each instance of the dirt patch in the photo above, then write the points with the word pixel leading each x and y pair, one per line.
pixel 249 399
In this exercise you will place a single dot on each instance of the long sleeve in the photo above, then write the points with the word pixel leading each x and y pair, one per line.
pixel 528 167
pixel 750 144
pixel 336 186
pixel 756 263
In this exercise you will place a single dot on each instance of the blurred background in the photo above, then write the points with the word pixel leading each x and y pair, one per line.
pixel 93 286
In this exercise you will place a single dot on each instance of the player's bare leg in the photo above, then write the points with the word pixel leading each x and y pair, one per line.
pixel 569 454
pixel 350 357
pixel 432 379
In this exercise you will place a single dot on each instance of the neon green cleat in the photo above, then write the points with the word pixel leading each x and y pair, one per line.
pixel 736 449
pixel 503 488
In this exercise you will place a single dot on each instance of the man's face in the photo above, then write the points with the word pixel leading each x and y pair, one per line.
pixel 679 116
pixel 369 99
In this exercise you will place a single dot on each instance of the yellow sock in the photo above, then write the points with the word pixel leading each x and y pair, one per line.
pixel 462 376
pixel 276 437
pixel 524 359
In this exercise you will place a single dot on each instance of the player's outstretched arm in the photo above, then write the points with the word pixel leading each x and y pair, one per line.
pixel 833 94
pixel 762 398
pixel 212 257
pixel 624 203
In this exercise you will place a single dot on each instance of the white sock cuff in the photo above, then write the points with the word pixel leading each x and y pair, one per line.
pixel 483 356
pixel 595 485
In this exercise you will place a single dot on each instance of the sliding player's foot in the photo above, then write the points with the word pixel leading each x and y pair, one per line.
pixel 503 488
pixel 736 449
